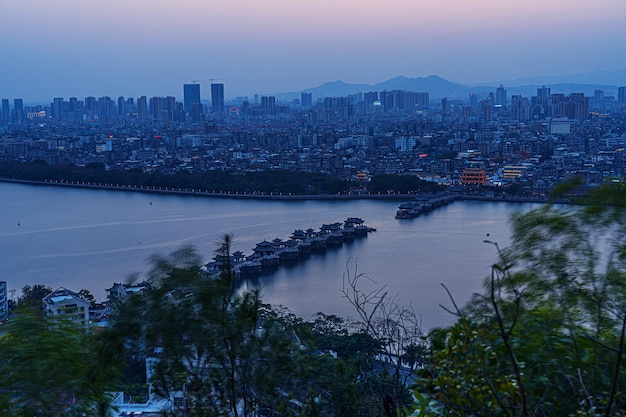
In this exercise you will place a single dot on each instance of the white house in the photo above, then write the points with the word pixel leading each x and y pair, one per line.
pixel 66 304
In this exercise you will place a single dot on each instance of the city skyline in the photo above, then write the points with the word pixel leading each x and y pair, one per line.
pixel 71 48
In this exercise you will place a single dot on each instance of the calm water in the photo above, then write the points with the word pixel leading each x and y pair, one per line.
pixel 79 238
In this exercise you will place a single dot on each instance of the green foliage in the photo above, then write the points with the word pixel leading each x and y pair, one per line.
pixel 272 181
pixel 468 376
pixel 218 350
pixel 400 184
pixel 51 368
pixel 546 338
pixel 31 296
pixel 86 295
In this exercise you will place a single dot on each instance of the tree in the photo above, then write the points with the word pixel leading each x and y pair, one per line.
pixel 52 368
pixel 546 337
pixel 32 296
pixel 210 348
pixel 395 327
pixel 400 184
pixel 87 295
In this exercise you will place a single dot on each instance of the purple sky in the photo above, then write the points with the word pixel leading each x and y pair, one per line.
pixel 151 47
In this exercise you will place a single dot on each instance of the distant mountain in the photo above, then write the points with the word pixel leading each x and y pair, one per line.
pixel 435 85
pixel 337 89
pixel 438 87
pixel 612 78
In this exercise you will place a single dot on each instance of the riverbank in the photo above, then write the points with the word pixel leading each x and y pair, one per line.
pixel 277 196
pixel 213 194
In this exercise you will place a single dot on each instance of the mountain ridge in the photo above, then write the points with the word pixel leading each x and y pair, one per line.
pixel 439 87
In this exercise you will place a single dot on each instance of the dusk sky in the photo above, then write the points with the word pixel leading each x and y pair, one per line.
pixel 152 47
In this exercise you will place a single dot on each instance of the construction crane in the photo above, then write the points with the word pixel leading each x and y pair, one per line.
pixel 196 81
pixel 214 79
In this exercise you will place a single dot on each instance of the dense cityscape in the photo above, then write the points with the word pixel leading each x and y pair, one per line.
pixel 489 139
pixel 313 209
pixel 187 341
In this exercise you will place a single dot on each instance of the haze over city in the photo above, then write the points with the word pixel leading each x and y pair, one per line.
pixel 77 48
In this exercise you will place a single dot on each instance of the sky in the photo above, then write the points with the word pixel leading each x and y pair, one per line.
pixel 66 48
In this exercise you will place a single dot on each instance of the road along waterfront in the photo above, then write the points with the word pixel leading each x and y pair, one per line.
pixel 86 238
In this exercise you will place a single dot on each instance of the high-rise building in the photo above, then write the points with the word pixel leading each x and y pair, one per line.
pixel 18 109
pixel 217 98
pixel 621 95
pixel 156 107
pixel 597 101
pixel 557 105
pixel 178 114
pixel 306 99
pixel 543 92
pixel 57 108
pixel 121 106
pixel 5 109
pixel 191 95
pixel 4 301
pixel 142 108
pixel 91 106
pixel 520 108
pixel 423 100
pixel 370 98
pixel 444 105
pixel 106 108
pixel 542 104
pixel 169 103
pixel 268 105
pixel 473 99
pixel 169 107
pixel 73 104
pixel 578 106
pixel 196 112
pixel 501 96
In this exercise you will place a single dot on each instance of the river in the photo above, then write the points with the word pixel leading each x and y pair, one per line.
pixel 82 238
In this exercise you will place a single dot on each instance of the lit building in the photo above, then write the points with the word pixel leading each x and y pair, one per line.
pixel 474 176
pixel 513 171
pixel 560 126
